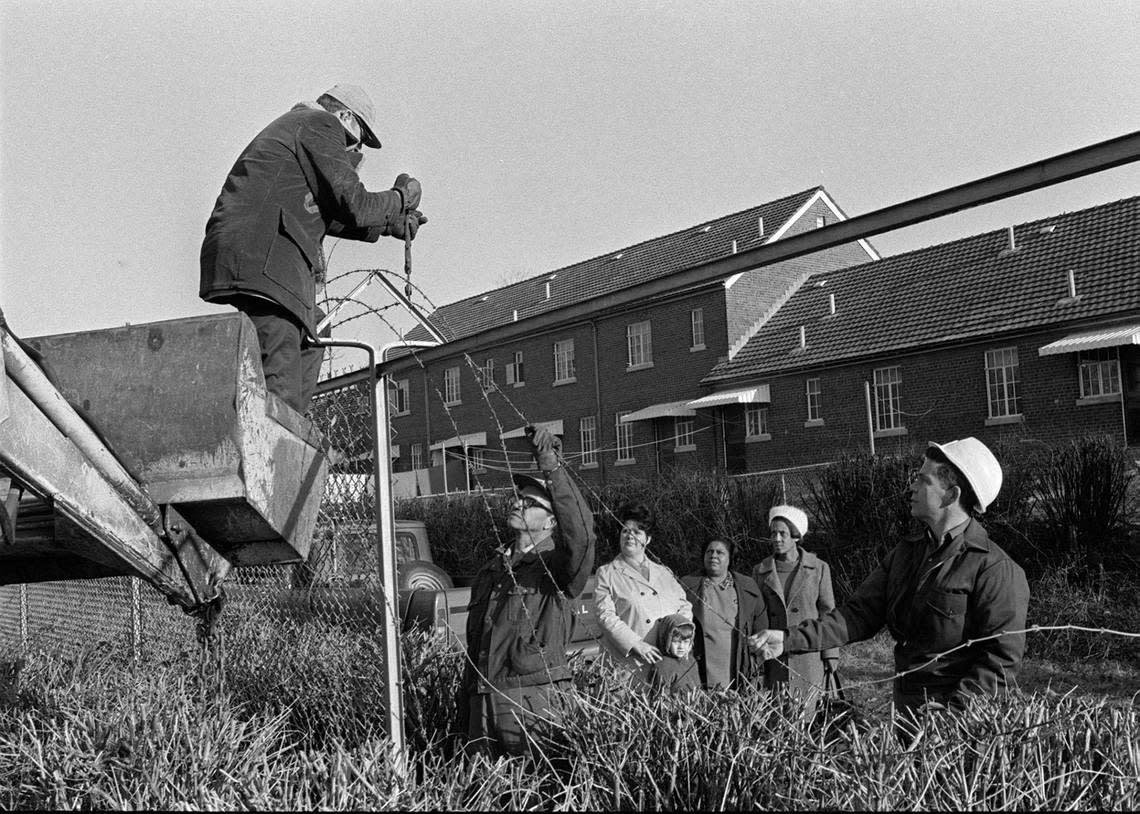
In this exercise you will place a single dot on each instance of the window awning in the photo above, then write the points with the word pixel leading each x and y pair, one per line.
pixel 669 408
pixel 518 432
pixel 475 439
pixel 759 394
pixel 1091 340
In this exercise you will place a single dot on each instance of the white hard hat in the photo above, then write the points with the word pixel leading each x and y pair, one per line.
pixel 978 466
pixel 359 102
pixel 794 517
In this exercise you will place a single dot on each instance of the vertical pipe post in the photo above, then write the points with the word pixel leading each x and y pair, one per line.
pixel 23 619
pixel 870 418
pixel 136 622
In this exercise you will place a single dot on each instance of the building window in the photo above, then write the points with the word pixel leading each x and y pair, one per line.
pixel 697 320
pixel 1003 381
pixel 820 221
pixel 515 374
pixel 756 422
pixel 588 432
pixel 813 400
pixel 564 361
pixel 888 402
pixel 398 401
pixel 417 456
pixel 639 345
pixel 478 458
pixel 624 432
pixel 1100 372
pixel 451 386
pixel 486 375
pixel 684 433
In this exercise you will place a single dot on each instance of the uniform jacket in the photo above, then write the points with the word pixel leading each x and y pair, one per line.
pixel 519 618
pixel 750 618
pixel 810 597
pixel 630 607
pixel 291 186
pixel 973 591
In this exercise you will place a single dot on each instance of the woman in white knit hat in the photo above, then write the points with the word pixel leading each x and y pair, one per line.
pixel 795 585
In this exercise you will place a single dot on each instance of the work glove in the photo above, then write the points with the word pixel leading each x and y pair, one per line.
pixel 401 222
pixel 409 189
pixel 547 448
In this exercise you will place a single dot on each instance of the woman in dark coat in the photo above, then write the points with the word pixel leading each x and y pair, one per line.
pixel 727 608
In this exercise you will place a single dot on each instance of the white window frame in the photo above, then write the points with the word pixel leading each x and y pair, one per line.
pixel 697 329
pixel 812 392
pixel 417 456
pixel 756 423
pixel 564 362
pixel 820 221
pixel 1003 381
pixel 588 437
pixel 516 373
pixel 623 432
pixel 1099 372
pixel 486 374
pixel 888 399
pixel 399 399
pixel 684 433
pixel 638 345
pixel 451 392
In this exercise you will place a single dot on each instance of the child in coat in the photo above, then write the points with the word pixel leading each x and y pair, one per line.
pixel 677 671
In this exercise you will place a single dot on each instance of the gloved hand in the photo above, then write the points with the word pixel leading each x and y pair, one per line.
pixel 409 189
pixel 413 219
pixel 547 448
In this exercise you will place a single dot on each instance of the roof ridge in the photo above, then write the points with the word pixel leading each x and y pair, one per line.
pixel 536 277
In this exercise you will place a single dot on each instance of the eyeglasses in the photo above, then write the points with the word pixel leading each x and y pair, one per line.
pixel 525 502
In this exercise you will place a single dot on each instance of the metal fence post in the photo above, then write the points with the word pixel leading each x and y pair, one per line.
pixel 136 622
pixel 23 619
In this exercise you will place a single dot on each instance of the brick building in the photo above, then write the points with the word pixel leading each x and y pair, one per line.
pixel 616 384
pixel 1027 334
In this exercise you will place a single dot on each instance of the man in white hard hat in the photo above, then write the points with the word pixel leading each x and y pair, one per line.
pixel 935 591
pixel 294 184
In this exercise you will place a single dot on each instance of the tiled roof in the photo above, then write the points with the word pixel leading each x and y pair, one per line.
pixel 614 270
pixel 971 287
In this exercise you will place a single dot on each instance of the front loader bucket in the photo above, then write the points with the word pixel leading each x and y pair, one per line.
pixel 184 406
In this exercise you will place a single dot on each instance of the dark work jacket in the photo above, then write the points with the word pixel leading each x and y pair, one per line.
pixel 291 186
pixel 750 618
pixel 520 617
pixel 973 591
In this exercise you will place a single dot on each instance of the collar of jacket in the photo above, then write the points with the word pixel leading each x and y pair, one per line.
pixel 632 571
pixel 807 560
pixel 974 536
pixel 743 583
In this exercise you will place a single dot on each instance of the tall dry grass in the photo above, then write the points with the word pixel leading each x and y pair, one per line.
pixel 90 731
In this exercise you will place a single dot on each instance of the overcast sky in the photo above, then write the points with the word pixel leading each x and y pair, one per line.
pixel 544 133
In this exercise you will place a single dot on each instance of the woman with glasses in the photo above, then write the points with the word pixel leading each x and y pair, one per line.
pixel 634 595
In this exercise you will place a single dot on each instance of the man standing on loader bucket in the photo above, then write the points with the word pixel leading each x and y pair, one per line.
pixel 520 615
pixel 295 183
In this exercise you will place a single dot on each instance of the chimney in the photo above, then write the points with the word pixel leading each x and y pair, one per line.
pixel 1072 285
pixel 515 315
pixel 760 226
pixel 803 337
pixel 734 247
pixel 548 290
pixel 1012 240
pixel 831 304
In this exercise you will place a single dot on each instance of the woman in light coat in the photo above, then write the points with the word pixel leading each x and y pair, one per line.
pixel 634 594
pixel 796 585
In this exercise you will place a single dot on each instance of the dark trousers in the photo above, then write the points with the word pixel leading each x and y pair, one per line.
pixel 291 366
pixel 498 719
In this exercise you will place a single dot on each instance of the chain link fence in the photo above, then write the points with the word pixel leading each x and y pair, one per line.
pixel 338 585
